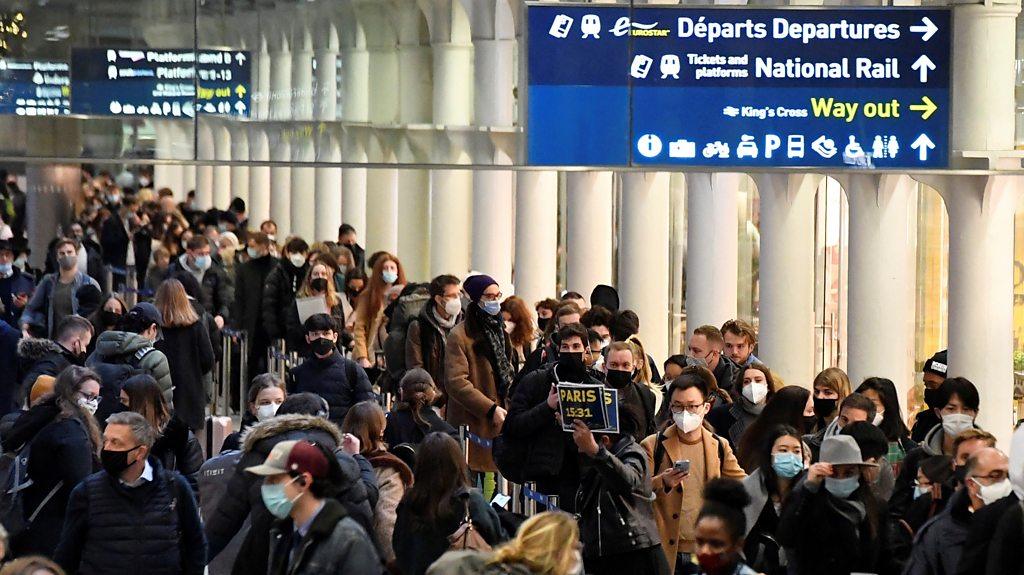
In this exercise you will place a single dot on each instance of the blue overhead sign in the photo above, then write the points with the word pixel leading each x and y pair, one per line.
pixel 34 87
pixel 160 83
pixel 618 86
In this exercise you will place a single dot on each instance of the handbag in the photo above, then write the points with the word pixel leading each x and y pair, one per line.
pixel 466 537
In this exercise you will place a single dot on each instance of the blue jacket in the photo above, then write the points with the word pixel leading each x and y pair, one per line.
pixel 152 529
pixel 18 283
pixel 340 381
pixel 9 383
pixel 39 310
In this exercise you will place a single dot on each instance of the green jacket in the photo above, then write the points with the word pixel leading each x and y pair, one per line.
pixel 120 347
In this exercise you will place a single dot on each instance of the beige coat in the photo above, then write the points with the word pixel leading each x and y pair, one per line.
pixel 472 391
pixel 365 334
pixel 668 506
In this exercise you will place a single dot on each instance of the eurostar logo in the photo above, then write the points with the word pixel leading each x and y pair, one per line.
pixel 624 26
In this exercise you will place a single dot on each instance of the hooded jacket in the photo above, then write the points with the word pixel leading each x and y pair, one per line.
pixel 394 478
pixel 243 498
pixel 939 544
pixel 38 356
pixel 424 346
pixel 903 493
pixel 118 356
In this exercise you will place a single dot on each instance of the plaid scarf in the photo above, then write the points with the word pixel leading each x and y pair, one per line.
pixel 497 342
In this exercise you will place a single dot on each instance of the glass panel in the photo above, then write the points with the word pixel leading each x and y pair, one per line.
pixel 932 284
pixel 831 242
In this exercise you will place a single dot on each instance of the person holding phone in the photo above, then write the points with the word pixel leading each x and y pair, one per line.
pixel 683 457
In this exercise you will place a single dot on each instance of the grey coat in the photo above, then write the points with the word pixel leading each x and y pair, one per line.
pixel 39 310
pixel 335 543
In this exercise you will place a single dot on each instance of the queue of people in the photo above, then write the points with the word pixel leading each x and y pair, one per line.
pixel 711 465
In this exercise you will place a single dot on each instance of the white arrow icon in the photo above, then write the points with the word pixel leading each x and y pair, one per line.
pixel 922 144
pixel 240 58
pixel 240 108
pixel 923 64
pixel 928 29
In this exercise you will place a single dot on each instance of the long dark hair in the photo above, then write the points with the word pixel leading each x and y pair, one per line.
pixel 417 391
pixel 892 422
pixel 763 456
pixel 786 407
pixel 65 389
pixel 440 473
pixel 146 399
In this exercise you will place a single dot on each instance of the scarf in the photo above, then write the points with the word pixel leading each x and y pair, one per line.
pixel 445 324
pixel 495 336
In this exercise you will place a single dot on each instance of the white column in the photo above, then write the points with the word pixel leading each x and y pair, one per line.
pixel 222 171
pixel 302 76
pixel 644 256
pixel 240 173
pixel 303 191
pixel 326 97
pixel 259 179
pixel 711 254
pixel 356 68
pixel 327 206
pixel 204 174
pixel 535 274
pixel 589 231
pixel 281 82
pixel 493 221
pixel 677 191
pixel 414 229
pixel 262 86
pixel 381 211
pixel 786 334
pixel 281 188
pixel 451 192
pixel 353 199
pixel 170 176
pixel 881 292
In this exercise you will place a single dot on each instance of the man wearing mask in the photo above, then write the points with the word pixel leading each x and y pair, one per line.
pixel 940 543
pixel 126 242
pixel 959 401
pixel 46 357
pixel 538 449
pixel 15 286
pixel 250 277
pixel 90 254
pixel 424 342
pixel 327 373
pixel 682 458
pixel 218 292
pixel 282 283
pixel 133 512
pixel 934 374
pixel 55 298
pixel 740 340
pixel 706 345
pixel 855 407
pixel 347 237
pixel 620 373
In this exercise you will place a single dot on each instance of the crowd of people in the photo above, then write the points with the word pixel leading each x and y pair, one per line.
pixel 713 465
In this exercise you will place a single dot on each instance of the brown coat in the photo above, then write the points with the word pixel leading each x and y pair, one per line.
pixel 433 361
pixel 472 391
pixel 668 506
pixel 366 333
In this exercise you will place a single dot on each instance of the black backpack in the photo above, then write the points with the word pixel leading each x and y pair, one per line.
pixel 113 372
pixel 14 469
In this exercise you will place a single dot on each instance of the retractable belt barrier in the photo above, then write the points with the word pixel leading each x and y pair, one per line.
pixel 524 498
pixel 235 352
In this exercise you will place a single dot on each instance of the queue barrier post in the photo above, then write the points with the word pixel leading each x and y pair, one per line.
pixel 464 441
pixel 552 502
pixel 531 504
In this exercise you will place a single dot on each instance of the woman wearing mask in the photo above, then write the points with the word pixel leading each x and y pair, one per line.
pixel 64 441
pixel 412 417
pixel 108 316
pixel 830 388
pixel 882 392
pixel 780 464
pixel 186 343
pixel 542 545
pixel 176 447
pixel 720 529
pixel 366 421
pixel 266 394
pixel 435 505
pixel 519 327
pixel 319 282
pixel 790 406
pixel 387 272
pixel 355 281
pixel 832 523
pixel 157 272
pixel 751 393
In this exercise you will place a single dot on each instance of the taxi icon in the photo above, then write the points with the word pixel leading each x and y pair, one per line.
pixel 747 148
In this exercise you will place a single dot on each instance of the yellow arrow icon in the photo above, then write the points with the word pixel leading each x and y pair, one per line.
pixel 240 90
pixel 926 107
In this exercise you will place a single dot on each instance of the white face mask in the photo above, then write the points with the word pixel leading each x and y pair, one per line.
pixel 265 412
pixel 453 307
pixel 90 405
pixel 298 260
pixel 879 416
pixel 920 491
pixel 755 392
pixel 253 253
pixel 687 421
pixel 992 493
pixel 510 326
pixel 956 423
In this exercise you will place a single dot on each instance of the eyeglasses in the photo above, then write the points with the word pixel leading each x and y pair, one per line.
pixel 491 297
pixel 88 396
pixel 994 477
pixel 693 409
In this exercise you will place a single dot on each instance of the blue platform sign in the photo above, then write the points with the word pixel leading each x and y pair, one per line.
pixel 34 87
pixel 160 83
pixel 724 87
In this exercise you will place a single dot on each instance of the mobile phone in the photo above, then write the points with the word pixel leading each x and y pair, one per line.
pixel 683 466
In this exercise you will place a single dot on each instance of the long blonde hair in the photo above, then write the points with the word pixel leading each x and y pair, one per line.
pixel 172 301
pixel 544 544
pixel 644 374
pixel 330 295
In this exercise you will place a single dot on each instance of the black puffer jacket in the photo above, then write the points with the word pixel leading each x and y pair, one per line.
pixel 179 450
pixel 218 288
pixel 279 297
pixel 38 356
pixel 614 502
pixel 337 379
pixel 243 493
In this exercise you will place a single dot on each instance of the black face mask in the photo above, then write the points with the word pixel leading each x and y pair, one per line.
pixel 931 397
pixel 959 475
pixel 824 407
pixel 318 284
pixel 570 366
pixel 322 346
pixel 542 322
pixel 618 379
pixel 115 462
pixel 110 317
pixel 809 422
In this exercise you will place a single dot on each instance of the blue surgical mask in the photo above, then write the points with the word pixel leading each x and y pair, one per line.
pixel 491 307
pixel 389 277
pixel 842 488
pixel 6 269
pixel 787 465
pixel 276 500
pixel 202 262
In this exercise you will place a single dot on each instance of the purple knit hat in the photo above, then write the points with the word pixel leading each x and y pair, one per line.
pixel 475 286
